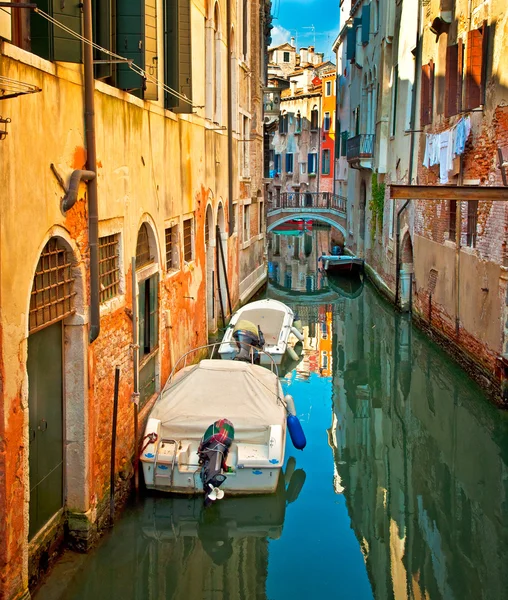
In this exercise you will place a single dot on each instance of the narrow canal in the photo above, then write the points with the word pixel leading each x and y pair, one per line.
pixel 401 492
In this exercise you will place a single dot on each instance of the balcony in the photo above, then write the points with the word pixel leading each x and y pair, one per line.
pixel 360 151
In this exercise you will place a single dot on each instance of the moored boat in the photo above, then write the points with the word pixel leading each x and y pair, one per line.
pixel 341 263
pixel 273 323
pixel 218 426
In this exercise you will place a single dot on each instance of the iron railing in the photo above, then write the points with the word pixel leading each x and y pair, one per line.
pixel 360 146
pixel 309 200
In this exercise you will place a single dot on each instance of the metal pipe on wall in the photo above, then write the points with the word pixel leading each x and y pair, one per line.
pixel 91 164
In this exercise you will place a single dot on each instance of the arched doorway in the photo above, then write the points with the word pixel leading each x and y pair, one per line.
pixel 222 258
pixel 56 361
pixel 362 205
pixel 147 277
pixel 210 243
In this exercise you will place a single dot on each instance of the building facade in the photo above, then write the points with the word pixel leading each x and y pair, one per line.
pixel 421 96
pixel 137 251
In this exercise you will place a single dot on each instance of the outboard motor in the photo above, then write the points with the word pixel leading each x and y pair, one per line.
pixel 213 452
pixel 246 335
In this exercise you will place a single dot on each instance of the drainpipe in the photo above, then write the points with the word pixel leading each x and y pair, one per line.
pixel 91 163
pixel 72 193
pixel 230 122
pixel 411 153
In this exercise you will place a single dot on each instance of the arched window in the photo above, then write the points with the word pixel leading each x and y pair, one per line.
pixel 298 128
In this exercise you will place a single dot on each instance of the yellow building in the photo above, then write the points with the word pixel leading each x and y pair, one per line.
pixel 124 238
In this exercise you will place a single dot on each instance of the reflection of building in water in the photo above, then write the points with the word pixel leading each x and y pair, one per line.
pixel 294 259
pixel 421 460
pixel 325 340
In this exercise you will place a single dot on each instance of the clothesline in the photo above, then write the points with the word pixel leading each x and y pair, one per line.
pixel 441 148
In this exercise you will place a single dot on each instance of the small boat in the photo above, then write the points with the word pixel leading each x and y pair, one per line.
pixel 336 262
pixel 219 426
pixel 267 324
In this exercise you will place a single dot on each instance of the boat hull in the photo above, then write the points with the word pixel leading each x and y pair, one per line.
pixel 342 264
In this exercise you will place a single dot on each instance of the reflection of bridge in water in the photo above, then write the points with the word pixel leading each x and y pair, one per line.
pixel 319 206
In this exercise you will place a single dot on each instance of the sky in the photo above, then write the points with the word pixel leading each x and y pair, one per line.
pixel 294 18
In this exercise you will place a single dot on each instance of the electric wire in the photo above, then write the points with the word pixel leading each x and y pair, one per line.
pixel 138 70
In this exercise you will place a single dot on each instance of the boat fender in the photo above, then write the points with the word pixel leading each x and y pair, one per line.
pixel 290 404
pixel 292 354
pixel 275 447
pixel 297 333
pixel 296 432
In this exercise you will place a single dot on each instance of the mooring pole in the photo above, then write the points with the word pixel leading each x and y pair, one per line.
pixel 113 449
pixel 217 268
pixel 135 362
pixel 223 261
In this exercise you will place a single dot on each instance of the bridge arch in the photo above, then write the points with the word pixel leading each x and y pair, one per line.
pixel 308 216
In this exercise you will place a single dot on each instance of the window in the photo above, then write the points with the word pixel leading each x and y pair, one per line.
pixel 395 90
pixel 303 168
pixel 328 88
pixel 278 164
pixel 427 94
pixel 109 268
pixel 289 162
pixel 286 57
pixel 136 39
pixel 261 215
pixel 246 222
pixel 51 42
pixel 325 162
pixel 172 247
pixel 312 160
pixel 472 220
pixel 298 127
pixel 188 241
pixel 453 87
pixel 283 123
pixel 475 67
pixel 143 253
pixel 343 145
pixel 245 148
pixel 452 221
pixel 314 119
pixel 177 53
pixel 326 125
pixel 245 26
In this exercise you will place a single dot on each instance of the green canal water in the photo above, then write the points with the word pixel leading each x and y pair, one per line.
pixel 401 492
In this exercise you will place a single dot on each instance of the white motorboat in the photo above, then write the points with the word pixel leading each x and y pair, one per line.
pixel 274 319
pixel 217 426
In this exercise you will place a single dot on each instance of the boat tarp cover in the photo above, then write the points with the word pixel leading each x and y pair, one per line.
pixel 246 394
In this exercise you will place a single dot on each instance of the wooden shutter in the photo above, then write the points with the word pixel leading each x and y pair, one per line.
pixel 141 317
pixel 474 69
pixel 102 35
pixel 178 54
pixel 365 23
pixel 154 311
pixel 130 42
pixel 451 91
pixel 51 42
pixel 150 58
pixel 351 44
pixel 427 94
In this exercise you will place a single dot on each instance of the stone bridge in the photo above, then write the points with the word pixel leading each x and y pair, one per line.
pixel 318 206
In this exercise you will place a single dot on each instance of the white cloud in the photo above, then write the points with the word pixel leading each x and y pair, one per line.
pixel 280 35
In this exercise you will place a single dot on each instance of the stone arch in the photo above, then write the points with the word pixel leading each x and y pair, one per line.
pixel 71 328
pixel 406 268
pixel 308 215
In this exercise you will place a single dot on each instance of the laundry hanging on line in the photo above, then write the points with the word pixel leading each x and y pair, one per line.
pixel 441 148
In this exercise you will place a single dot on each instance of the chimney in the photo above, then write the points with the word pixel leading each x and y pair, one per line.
pixel 293 42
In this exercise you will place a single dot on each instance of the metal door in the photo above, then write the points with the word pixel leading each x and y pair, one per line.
pixel 45 401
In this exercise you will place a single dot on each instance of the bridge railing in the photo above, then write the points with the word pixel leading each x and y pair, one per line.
pixel 309 200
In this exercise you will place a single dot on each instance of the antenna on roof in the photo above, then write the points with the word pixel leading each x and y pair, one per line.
pixel 313 32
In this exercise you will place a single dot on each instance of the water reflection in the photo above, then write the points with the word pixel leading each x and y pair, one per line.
pixel 421 459
pixel 172 547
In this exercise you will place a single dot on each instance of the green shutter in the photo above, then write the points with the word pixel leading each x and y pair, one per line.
pixel 365 23
pixel 154 312
pixel 130 42
pixel 351 44
pixel 51 42
pixel 102 35
pixel 141 318
pixel 178 53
